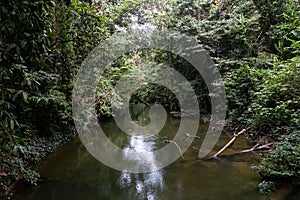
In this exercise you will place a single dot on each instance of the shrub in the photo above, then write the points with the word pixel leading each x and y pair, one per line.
pixel 283 163
pixel 275 107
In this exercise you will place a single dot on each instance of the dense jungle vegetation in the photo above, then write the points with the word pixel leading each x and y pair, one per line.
pixel 254 43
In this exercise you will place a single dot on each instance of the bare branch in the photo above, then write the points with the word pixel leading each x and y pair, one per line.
pixel 172 141
pixel 190 136
pixel 256 147
pixel 229 143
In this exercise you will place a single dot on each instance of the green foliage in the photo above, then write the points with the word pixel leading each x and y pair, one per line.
pixel 30 176
pixel 286 33
pixel 241 85
pixel 27 66
pixel 283 163
pixel 266 187
pixel 255 45
pixel 228 29
pixel 275 107
pixel 130 66
pixel 42 45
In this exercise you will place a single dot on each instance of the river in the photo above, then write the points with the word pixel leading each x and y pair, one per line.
pixel 72 173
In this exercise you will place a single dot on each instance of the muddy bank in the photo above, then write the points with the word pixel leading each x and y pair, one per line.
pixel 15 167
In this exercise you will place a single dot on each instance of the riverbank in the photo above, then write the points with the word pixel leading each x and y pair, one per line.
pixel 15 167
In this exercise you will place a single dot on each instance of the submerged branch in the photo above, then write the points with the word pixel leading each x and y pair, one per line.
pixel 172 141
pixel 229 143
pixel 256 147
pixel 190 136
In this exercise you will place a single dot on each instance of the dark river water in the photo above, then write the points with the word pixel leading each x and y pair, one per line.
pixel 72 173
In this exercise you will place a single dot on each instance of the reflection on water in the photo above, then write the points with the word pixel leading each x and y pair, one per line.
pixel 72 173
pixel 147 185
pixel 140 149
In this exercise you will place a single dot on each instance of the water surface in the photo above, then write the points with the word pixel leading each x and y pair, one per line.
pixel 72 173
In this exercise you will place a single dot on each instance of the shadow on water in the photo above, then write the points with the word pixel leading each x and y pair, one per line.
pixel 72 173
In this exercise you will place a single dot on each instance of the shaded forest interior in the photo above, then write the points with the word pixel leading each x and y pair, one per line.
pixel 255 44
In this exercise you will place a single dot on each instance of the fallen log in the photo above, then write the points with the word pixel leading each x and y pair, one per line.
pixel 229 143
pixel 256 147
